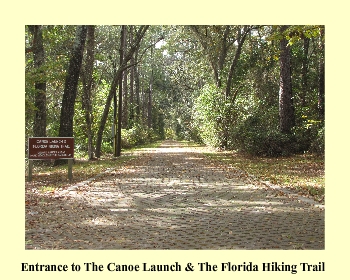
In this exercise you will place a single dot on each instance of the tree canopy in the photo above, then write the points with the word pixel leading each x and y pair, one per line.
pixel 257 89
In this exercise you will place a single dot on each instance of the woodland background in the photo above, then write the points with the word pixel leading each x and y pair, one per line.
pixel 258 90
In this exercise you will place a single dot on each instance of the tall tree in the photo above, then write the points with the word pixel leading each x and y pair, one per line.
pixel 126 105
pixel 87 80
pixel 218 79
pixel 286 107
pixel 116 76
pixel 131 119
pixel 125 115
pixel 217 42
pixel 71 83
pixel 137 89
pixel 304 70
pixel 39 128
pixel 241 36
pixel 150 93
pixel 118 147
pixel 321 95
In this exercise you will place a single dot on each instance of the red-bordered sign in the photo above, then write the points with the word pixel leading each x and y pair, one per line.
pixel 50 147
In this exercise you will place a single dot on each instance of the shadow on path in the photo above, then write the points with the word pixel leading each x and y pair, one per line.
pixel 173 198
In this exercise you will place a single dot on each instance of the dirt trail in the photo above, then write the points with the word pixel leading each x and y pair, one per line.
pixel 172 197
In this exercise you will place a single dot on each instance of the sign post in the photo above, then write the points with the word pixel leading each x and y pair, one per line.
pixel 46 148
pixel 70 169
pixel 30 170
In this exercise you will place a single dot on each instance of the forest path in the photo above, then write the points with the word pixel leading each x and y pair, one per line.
pixel 172 197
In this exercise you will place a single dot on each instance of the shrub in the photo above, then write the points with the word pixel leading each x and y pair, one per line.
pixel 107 147
pixel 170 134
pixel 137 135
pixel 309 137
pixel 253 137
pixel 209 115
pixel 318 143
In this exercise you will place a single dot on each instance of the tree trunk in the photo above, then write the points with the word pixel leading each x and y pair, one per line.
pixel 137 91
pixel 144 100
pixel 131 102
pixel 118 150
pixel 241 40
pixel 149 102
pixel 304 70
pixel 217 61
pixel 71 83
pixel 286 108
pixel 139 35
pixel 125 86
pixel 150 94
pixel 321 95
pixel 39 127
pixel 126 104
pixel 104 117
pixel 131 115
pixel 87 86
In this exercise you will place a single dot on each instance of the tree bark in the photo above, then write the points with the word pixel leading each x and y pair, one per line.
pixel 118 149
pixel 131 102
pixel 131 84
pixel 71 83
pixel 126 104
pixel 104 117
pixel 304 70
pixel 39 127
pixel 286 108
pixel 216 60
pixel 137 90
pixel 138 37
pixel 149 97
pixel 125 85
pixel 87 86
pixel 149 102
pixel 321 95
pixel 234 63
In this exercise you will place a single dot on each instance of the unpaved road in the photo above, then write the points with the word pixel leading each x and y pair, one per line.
pixel 172 197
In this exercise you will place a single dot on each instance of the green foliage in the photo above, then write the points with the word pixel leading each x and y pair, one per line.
pixel 187 102
pixel 309 134
pixel 255 138
pixel 294 33
pixel 208 115
pixel 170 134
pixel 310 138
pixel 107 146
pixel 137 135
pixel 318 143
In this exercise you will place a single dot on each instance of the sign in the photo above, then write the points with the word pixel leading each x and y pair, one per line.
pixel 50 148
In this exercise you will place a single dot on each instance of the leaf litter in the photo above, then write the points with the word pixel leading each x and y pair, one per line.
pixel 106 213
